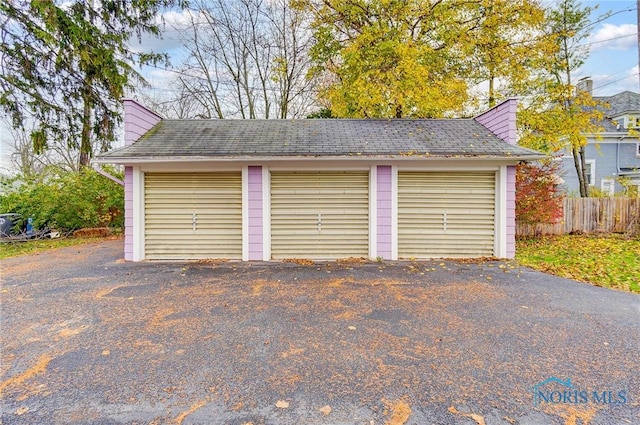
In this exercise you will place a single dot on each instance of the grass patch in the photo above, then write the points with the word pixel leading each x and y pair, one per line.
pixel 14 249
pixel 603 260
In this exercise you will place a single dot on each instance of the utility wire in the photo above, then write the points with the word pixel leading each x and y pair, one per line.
pixel 611 82
pixel 608 39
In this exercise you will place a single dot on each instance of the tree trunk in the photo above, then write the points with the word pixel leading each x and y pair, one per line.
pixel 584 191
pixel 85 141
pixel 577 162
pixel 492 97
pixel 86 149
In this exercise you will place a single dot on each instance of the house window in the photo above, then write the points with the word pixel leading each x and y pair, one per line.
pixel 608 186
pixel 633 122
pixel 591 171
pixel 638 149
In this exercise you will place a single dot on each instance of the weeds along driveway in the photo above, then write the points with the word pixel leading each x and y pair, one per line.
pixel 87 338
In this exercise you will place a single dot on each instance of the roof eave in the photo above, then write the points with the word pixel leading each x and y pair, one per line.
pixel 613 134
pixel 355 157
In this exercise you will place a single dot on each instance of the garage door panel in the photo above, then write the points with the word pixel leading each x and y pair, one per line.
pixel 446 214
pixel 172 199
pixel 339 200
pixel 176 234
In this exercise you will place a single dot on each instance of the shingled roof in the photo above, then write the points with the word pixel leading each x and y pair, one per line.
pixel 621 103
pixel 318 138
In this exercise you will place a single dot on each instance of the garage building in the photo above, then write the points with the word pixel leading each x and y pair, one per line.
pixel 319 189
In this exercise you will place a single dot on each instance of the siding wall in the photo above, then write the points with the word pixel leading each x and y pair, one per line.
pixel 511 212
pixel 256 216
pixel 608 155
pixel 383 210
pixel 137 121
pixel 255 208
pixel 501 121
pixel 128 213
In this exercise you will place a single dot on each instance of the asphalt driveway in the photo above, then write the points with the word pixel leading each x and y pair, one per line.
pixel 89 339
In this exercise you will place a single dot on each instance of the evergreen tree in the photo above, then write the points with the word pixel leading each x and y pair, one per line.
pixel 65 67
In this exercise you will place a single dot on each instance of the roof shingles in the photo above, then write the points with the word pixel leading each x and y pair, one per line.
pixel 322 137
pixel 621 103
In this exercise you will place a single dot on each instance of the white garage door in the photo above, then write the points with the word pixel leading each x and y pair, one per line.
pixel 193 216
pixel 446 214
pixel 319 215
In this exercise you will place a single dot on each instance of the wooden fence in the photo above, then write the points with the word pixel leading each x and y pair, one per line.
pixel 586 215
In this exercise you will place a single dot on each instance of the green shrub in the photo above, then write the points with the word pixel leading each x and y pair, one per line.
pixel 68 201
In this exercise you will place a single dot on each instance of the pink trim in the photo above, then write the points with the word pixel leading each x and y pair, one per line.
pixel 383 211
pixel 137 120
pixel 501 120
pixel 511 211
pixel 255 202
pixel 128 213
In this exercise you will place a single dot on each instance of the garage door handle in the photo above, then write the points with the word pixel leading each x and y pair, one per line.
pixel 444 222
pixel 194 221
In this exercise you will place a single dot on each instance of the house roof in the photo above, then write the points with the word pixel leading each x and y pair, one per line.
pixel 447 138
pixel 618 104
pixel 621 103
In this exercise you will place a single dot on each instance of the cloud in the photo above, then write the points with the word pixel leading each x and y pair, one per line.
pixel 160 78
pixel 614 37
pixel 174 26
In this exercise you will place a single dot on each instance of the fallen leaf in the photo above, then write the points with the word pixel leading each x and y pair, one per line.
pixel 399 410
pixel 181 417
pixel 22 410
pixel 325 409
pixel 106 352
pixel 352 328
pixel 282 404
pixel 479 419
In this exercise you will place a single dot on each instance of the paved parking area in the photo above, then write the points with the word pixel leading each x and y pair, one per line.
pixel 89 339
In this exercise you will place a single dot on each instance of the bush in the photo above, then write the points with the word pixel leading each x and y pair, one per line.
pixel 538 194
pixel 68 201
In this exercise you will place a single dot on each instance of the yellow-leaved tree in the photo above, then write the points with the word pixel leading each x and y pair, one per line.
pixel 505 44
pixel 388 58
pixel 556 115
pixel 419 58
